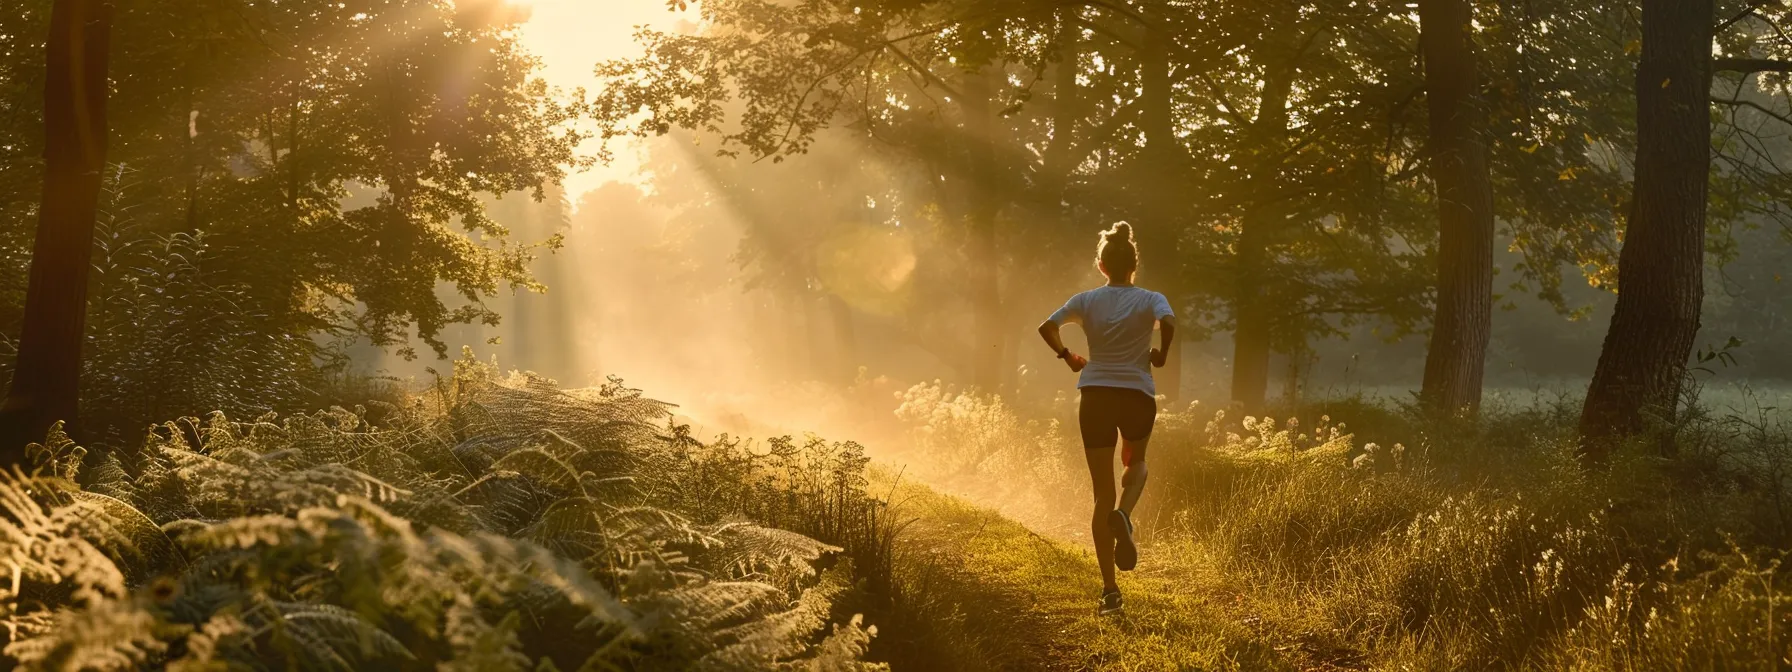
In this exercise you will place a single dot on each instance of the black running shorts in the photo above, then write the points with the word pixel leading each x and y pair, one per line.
pixel 1109 411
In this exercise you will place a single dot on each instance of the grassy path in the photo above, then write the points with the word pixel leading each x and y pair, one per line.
pixel 975 591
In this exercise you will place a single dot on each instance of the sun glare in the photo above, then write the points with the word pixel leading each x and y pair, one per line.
pixel 572 36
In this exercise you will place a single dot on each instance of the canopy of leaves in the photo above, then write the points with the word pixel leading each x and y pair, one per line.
pixel 291 174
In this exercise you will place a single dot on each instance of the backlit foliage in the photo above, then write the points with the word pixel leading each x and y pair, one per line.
pixel 288 178
pixel 494 523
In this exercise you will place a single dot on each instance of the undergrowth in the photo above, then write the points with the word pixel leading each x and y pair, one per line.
pixel 1402 542
pixel 493 522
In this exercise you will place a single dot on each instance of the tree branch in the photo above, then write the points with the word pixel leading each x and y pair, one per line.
pixel 1750 65
pixel 1749 103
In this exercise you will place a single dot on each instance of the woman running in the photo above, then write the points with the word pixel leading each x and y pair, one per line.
pixel 1118 396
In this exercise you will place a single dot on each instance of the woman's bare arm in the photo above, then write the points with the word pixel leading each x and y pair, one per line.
pixel 1048 330
pixel 1166 327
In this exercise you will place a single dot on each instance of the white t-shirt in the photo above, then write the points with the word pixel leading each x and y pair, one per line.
pixel 1118 322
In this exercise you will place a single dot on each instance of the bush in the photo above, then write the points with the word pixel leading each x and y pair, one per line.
pixel 977 445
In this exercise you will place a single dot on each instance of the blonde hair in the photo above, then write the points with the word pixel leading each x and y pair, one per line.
pixel 1116 251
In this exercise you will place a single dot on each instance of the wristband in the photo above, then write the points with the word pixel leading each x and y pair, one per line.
pixel 1064 352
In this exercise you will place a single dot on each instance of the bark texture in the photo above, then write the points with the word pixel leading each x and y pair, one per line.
pixel 46 383
pixel 1661 268
pixel 1252 313
pixel 1460 329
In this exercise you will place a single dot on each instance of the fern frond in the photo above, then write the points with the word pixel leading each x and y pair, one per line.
pixel 843 650
pixel 144 542
pixel 105 635
pixel 763 641
pixel 480 646
pixel 346 633
pixel 540 465
pixel 745 548
pixel 208 642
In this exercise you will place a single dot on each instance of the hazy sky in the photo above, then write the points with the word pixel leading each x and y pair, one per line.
pixel 571 36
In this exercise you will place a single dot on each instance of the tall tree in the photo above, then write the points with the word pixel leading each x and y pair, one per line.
pixel 284 179
pixel 1301 141
pixel 1661 266
pixel 1161 173
pixel 983 205
pixel 1252 315
pixel 1463 320
pixel 46 381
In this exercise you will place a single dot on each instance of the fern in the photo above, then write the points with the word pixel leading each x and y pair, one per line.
pixel 480 646
pixel 500 523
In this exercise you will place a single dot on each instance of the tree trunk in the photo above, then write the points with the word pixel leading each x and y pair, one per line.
pixel 1250 306
pixel 1661 268
pixel 1457 356
pixel 1250 341
pixel 844 341
pixel 808 362
pixel 46 382
pixel 1163 198
pixel 984 205
pixel 1058 161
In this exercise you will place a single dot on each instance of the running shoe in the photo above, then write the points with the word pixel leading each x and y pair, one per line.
pixel 1126 553
pixel 1110 603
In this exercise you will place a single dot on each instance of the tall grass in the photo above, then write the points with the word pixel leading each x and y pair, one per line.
pixel 1380 538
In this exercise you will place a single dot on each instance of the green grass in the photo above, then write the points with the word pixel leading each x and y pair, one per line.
pixel 1471 545
pixel 976 591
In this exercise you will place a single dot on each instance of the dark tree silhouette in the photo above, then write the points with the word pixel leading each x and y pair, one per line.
pixel 984 205
pixel 46 382
pixel 1262 223
pixel 1464 318
pixel 1162 175
pixel 1661 267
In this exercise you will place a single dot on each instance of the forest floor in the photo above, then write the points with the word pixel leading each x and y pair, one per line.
pixel 976 590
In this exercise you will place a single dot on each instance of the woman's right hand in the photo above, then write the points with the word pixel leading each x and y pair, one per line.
pixel 1076 362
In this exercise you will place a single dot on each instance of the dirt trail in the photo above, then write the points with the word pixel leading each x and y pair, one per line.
pixel 979 591
pixel 975 590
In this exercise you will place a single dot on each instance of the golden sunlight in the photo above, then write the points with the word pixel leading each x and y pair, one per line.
pixel 572 36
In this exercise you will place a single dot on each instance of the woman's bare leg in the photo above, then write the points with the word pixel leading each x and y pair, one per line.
pixel 1101 474
pixel 1133 482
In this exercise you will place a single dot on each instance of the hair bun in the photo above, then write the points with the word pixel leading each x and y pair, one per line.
pixel 1121 232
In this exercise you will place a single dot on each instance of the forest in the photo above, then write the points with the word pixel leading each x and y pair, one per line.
pixel 700 334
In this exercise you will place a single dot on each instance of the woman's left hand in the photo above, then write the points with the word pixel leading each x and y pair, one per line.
pixel 1158 358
